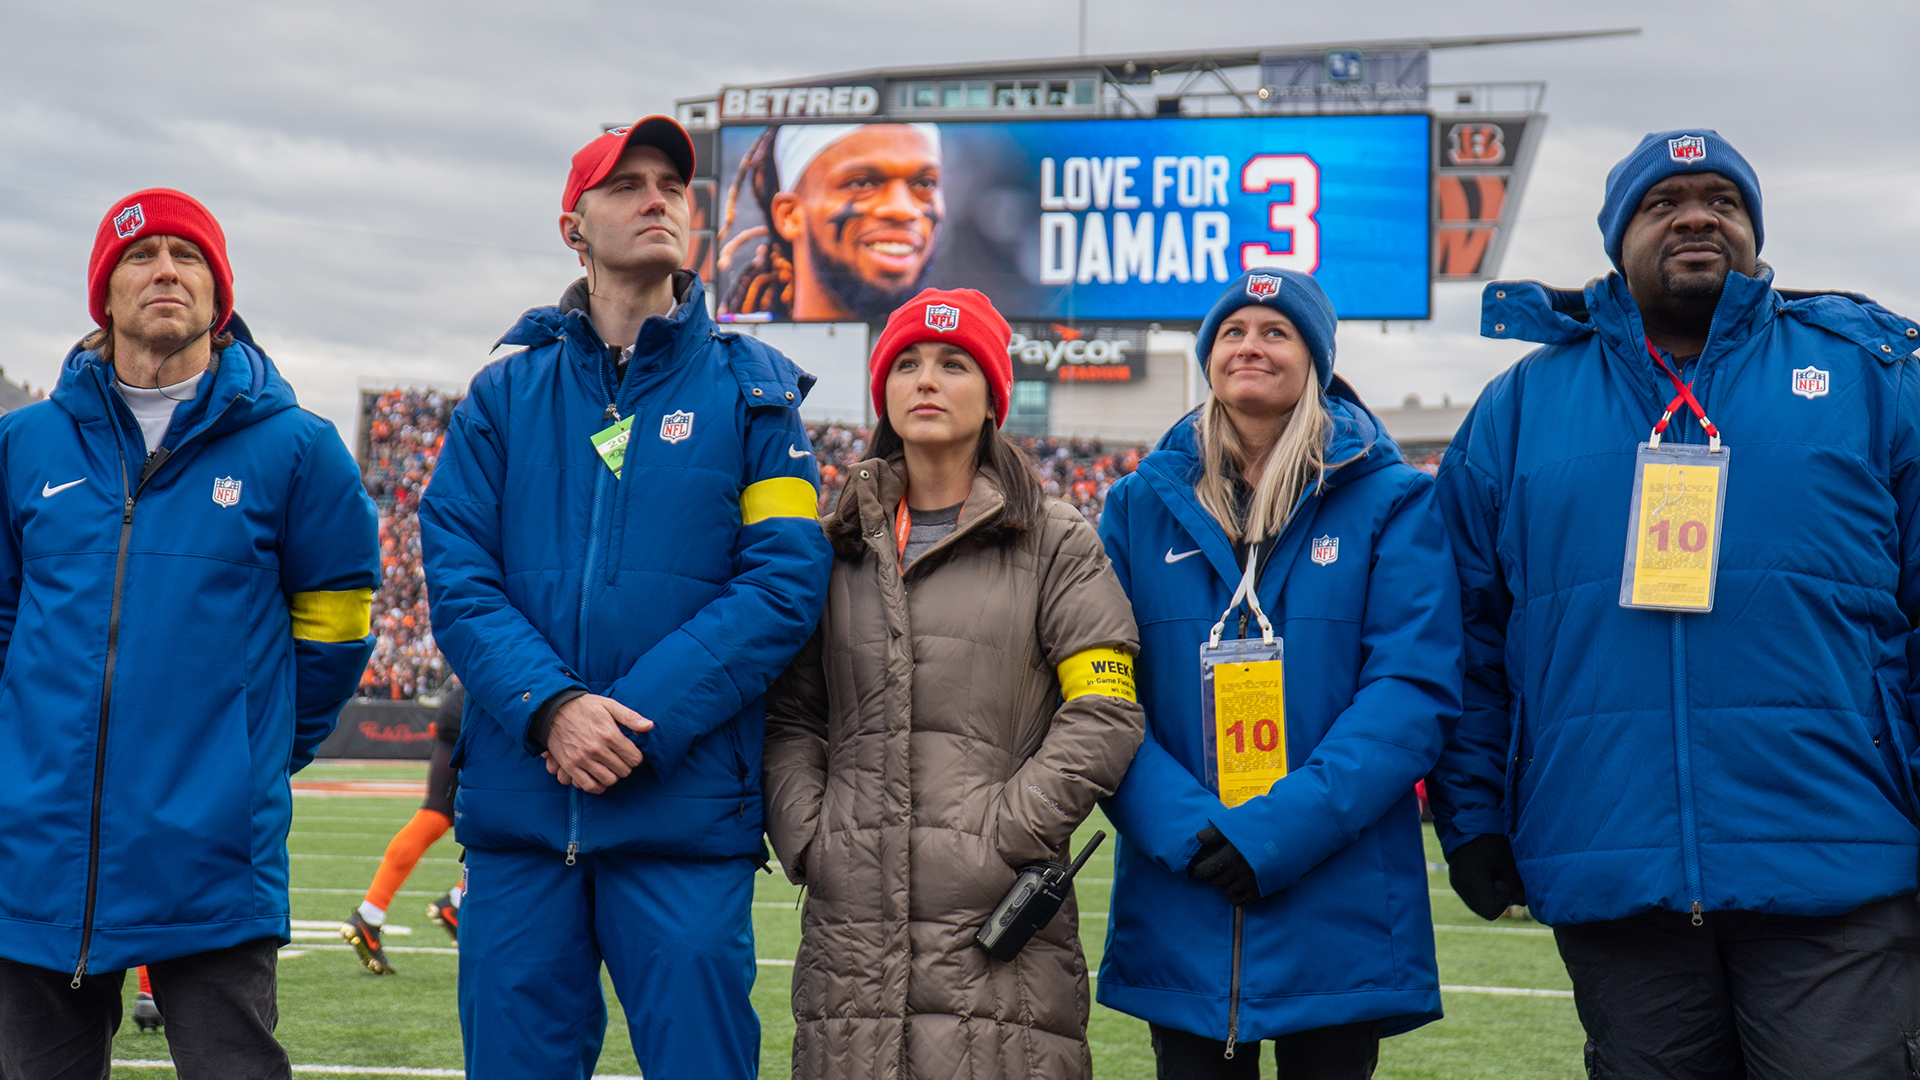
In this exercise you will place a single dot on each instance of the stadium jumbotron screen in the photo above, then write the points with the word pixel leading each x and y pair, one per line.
pixel 1071 219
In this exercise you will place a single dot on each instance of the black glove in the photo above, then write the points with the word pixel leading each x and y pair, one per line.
pixel 1220 864
pixel 1483 873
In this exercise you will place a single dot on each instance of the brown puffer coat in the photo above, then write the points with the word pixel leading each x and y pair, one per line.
pixel 917 753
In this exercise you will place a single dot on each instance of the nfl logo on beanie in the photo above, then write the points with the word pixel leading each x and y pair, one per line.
pixel 1687 149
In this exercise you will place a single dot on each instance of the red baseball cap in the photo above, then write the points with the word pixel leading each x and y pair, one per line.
pixel 158 212
pixel 963 317
pixel 596 159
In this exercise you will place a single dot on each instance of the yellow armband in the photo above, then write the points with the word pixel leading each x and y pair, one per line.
pixel 782 496
pixel 332 616
pixel 1097 671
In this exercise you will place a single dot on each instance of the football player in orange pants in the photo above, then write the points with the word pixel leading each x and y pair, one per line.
pixel 429 824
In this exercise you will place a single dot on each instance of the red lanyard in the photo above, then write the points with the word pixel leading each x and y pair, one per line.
pixel 1685 394
pixel 902 525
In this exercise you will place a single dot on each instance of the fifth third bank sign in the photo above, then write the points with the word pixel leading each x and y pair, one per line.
pixel 1074 220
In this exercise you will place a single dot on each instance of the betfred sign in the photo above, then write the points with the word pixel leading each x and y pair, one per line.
pixel 797 102
pixel 1056 352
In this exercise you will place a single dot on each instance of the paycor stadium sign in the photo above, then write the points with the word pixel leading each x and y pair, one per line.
pixel 1055 352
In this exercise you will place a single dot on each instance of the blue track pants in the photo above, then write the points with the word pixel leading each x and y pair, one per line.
pixel 676 936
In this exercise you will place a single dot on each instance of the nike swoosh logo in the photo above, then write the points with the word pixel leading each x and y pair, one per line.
pixel 48 491
pixel 1172 558
pixel 795 453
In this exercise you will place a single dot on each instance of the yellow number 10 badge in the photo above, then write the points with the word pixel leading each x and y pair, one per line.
pixel 1673 522
pixel 1243 706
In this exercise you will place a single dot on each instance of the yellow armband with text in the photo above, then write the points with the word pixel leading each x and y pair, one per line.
pixel 1097 671
pixel 332 616
pixel 782 496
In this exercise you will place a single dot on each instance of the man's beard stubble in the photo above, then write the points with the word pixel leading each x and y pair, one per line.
pixel 1695 286
pixel 858 295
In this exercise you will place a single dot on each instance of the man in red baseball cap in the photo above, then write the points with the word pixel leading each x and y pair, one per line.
pixel 622 549
pixel 186 590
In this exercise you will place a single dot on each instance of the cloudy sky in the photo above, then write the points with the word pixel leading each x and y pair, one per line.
pixel 388 173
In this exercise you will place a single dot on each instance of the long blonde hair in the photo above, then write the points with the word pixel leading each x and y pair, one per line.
pixel 1295 465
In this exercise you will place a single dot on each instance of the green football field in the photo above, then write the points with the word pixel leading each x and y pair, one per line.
pixel 1509 1010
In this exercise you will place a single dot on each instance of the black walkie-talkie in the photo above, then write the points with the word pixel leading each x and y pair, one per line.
pixel 1032 903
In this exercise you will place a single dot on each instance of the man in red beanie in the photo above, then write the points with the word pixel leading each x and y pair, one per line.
pixel 622 550
pixel 185 585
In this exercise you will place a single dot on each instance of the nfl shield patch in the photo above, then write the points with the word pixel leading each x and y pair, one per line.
pixel 1325 549
pixel 1687 149
pixel 226 492
pixel 676 426
pixel 1261 286
pixel 943 317
pixel 1809 382
pixel 129 221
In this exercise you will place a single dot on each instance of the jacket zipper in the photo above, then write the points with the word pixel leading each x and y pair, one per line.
pixel 586 582
pixel 1689 843
pixel 1682 733
pixel 131 494
pixel 1233 982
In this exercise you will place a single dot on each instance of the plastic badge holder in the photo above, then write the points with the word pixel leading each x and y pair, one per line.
pixel 1243 716
pixel 1673 527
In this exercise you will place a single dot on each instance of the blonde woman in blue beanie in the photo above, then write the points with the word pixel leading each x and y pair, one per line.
pixel 1299 662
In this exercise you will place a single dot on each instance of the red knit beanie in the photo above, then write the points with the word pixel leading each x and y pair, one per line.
pixel 159 212
pixel 963 317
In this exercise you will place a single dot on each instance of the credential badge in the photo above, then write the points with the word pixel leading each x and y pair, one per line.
pixel 676 426
pixel 1325 549
pixel 226 492
pixel 1809 382
pixel 1261 286
pixel 1687 149
pixel 943 317
pixel 129 221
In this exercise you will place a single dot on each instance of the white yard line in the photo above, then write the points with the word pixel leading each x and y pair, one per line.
pixel 1505 991
pixel 390 948
pixel 353 892
pixel 351 1070
pixel 1524 930
pixel 366 858
pixel 334 927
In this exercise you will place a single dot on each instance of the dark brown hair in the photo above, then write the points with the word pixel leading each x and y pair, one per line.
pixel 1025 504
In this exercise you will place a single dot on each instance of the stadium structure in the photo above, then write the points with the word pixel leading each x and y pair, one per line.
pixel 1480 138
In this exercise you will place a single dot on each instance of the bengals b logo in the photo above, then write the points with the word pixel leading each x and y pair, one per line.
pixel 1476 144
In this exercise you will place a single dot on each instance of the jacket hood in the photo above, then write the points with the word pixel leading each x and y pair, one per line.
pixel 1531 311
pixel 567 320
pixel 245 388
pixel 1357 442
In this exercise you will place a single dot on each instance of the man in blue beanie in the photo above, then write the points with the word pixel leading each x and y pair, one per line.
pixel 1688 537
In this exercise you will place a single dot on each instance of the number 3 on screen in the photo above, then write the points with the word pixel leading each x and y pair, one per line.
pixel 1292 216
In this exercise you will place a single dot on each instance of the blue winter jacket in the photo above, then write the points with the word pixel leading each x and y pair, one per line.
pixel 680 589
pixel 1757 757
pixel 179 633
pixel 1372 653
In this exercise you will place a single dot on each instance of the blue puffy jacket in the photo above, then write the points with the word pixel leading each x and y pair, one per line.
pixel 1372 637
pixel 179 634
pixel 679 589
pixel 1756 757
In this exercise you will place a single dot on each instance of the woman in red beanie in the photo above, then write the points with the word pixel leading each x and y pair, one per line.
pixel 966 699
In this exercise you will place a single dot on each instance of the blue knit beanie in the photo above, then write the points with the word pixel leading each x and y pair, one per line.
pixel 1289 292
pixel 1670 153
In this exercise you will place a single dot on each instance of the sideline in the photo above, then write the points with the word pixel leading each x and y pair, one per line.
pixel 350 1070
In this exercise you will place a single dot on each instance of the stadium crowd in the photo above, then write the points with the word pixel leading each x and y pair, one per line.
pixel 404 432
pixel 1076 471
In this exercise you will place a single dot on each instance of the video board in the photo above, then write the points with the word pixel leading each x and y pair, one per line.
pixel 1071 220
